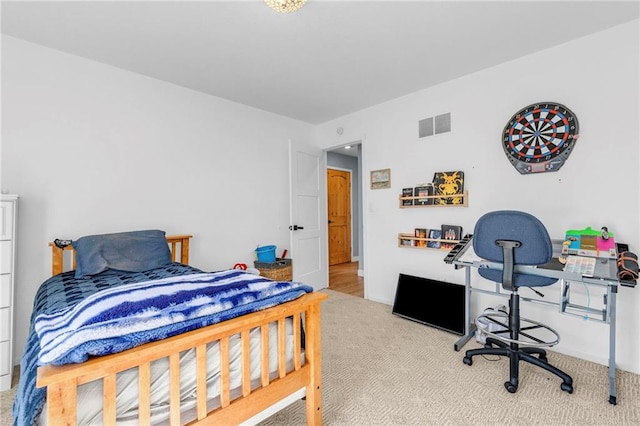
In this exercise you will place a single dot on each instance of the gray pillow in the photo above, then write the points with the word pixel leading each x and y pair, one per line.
pixel 134 251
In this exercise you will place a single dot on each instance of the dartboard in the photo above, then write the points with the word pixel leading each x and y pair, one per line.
pixel 540 137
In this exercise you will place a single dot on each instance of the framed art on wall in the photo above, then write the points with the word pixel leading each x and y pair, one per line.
pixel 381 179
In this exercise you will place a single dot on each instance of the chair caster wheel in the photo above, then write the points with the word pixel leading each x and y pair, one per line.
pixel 566 387
pixel 467 360
pixel 510 387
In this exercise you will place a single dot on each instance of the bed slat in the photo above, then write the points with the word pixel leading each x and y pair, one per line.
pixel 225 388
pixel 174 388
pixel 144 393
pixel 264 354
pixel 297 342
pixel 201 382
pixel 109 400
pixel 246 363
pixel 282 350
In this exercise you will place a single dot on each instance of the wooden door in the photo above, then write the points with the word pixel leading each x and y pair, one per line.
pixel 339 216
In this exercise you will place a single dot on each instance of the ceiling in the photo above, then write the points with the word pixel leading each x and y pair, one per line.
pixel 326 60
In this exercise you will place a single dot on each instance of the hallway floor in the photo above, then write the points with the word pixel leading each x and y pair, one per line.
pixel 344 278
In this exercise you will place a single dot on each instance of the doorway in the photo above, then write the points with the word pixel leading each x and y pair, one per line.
pixel 345 268
pixel 339 216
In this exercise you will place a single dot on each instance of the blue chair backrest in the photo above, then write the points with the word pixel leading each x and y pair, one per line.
pixel 535 249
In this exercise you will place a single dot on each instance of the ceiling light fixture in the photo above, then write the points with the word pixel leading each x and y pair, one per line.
pixel 285 6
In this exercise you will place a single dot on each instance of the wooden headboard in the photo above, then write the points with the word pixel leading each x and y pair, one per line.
pixel 178 243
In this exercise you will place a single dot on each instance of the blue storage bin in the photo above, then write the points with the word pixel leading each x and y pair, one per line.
pixel 266 253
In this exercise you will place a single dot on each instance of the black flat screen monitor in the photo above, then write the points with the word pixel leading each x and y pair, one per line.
pixel 434 303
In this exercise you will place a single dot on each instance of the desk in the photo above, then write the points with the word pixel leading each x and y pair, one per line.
pixel 604 276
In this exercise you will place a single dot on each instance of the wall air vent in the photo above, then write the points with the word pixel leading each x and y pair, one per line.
pixel 425 127
pixel 434 125
pixel 443 123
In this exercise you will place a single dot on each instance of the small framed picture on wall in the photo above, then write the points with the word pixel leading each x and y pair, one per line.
pixel 381 179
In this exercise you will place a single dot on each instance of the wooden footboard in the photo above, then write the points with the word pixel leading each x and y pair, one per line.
pixel 62 381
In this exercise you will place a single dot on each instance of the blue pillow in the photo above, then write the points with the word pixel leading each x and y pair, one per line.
pixel 134 251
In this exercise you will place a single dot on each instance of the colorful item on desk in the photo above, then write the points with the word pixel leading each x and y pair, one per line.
pixel 588 242
pixel 241 266
pixel 580 265
pixel 628 266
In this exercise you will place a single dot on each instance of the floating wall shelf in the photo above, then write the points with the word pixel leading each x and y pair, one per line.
pixel 463 198
pixel 416 240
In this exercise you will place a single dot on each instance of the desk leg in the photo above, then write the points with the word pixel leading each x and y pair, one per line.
pixel 469 328
pixel 612 345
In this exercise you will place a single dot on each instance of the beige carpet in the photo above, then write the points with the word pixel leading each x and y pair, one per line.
pixel 379 369
pixel 6 401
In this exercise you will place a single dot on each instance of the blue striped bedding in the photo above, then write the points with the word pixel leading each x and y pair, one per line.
pixel 114 311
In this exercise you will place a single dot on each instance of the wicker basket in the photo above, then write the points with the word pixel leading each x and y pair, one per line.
pixel 280 270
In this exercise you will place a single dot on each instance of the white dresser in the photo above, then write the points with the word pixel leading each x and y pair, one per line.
pixel 8 218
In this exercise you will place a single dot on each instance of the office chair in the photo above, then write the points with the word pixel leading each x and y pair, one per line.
pixel 515 238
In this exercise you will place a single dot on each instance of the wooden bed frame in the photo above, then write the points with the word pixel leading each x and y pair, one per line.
pixel 62 381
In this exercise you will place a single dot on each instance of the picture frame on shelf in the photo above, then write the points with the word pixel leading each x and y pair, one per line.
pixel 449 187
pixel 450 232
pixel 407 192
pixel 421 233
pixel 406 240
pixel 434 234
pixel 381 179
pixel 425 190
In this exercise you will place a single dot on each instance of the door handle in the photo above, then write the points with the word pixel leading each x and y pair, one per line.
pixel 295 227
pixel 329 221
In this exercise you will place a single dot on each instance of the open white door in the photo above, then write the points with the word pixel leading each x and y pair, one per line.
pixel 308 215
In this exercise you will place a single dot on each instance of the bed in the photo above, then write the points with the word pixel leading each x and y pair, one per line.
pixel 246 350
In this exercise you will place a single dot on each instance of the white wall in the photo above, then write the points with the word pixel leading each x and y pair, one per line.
pixel 597 78
pixel 91 149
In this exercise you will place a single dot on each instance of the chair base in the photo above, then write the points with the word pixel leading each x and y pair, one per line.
pixel 509 347
pixel 515 355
